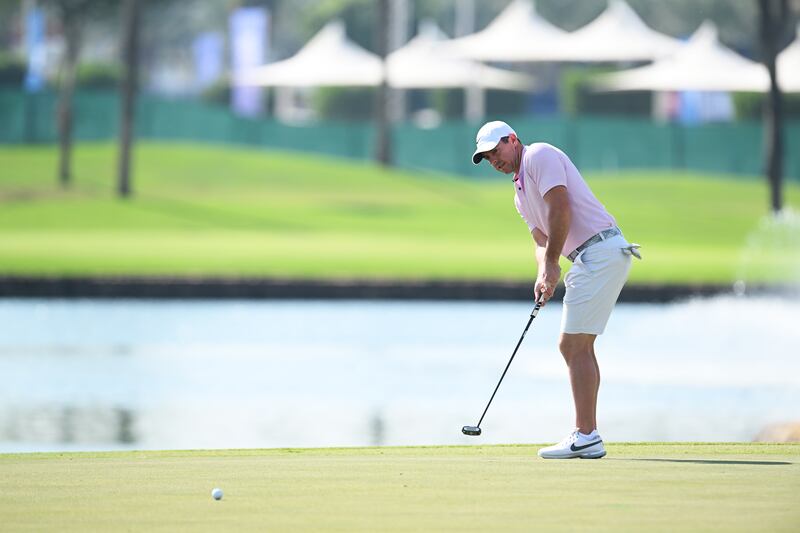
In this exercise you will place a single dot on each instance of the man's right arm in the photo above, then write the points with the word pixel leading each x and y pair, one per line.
pixel 541 248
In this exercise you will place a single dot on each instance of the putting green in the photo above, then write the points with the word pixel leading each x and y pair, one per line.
pixel 638 487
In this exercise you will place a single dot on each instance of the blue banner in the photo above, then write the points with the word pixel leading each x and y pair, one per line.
pixel 248 31
pixel 207 50
pixel 35 49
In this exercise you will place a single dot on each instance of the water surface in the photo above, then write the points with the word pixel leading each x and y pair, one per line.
pixel 94 374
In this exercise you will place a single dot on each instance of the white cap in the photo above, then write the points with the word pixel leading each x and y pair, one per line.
pixel 488 137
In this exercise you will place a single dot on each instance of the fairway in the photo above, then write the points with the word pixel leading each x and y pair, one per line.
pixel 638 487
pixel 211 210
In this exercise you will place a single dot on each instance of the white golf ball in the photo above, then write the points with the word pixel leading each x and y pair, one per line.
pixel 216 494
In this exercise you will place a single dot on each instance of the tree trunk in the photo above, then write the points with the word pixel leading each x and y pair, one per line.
pixel 130 59
pixel 383 142
pixel 69 67
pixel 773 16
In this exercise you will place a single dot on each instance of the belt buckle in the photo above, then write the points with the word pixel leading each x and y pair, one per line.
pixel 574 254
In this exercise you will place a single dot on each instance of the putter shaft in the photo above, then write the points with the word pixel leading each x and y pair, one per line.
pixel 533 315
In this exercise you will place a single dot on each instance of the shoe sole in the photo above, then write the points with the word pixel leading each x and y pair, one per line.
pixel 590 455
pixel 595 455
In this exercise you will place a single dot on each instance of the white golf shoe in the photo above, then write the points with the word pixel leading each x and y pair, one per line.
pixel 575 445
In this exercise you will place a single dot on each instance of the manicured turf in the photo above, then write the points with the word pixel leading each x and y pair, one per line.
pixel 638 487
pixel 228 211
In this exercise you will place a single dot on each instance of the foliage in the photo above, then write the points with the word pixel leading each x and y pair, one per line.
pixel 98 76
pixel 750 106
pixel 12 70
pixel 579 98
pixel 448 102
pixel 344 103
pixel 218 92
pixel 505 102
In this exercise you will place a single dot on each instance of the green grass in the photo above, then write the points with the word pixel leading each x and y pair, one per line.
pixel 210 210
pixel 638 487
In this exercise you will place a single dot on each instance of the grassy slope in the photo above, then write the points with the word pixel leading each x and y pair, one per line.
pixel 638 487
pixel 213 210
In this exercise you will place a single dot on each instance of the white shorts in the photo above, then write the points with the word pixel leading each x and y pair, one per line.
pixel 593 285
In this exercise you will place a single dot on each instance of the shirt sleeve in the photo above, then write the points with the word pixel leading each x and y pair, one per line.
pixel 547 170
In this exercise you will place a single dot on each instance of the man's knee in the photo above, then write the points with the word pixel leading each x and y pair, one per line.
pixel 567 348
pixel 575 345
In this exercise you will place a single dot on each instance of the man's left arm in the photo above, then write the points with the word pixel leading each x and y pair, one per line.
pixel 559 217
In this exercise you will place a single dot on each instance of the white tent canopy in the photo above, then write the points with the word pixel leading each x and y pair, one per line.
pixel 701 64
pixel 516 34
pixel 617 34
pixel 422 64
pixel 788 65
pixel 328 59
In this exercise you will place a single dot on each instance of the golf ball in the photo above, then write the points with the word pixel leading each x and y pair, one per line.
pixel 216 493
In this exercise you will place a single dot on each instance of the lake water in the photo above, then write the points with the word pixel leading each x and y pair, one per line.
pixel 89 375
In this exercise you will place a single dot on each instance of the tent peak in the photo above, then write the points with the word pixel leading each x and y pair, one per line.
pixel 430 30
pixel 516 9
pixel 618 14
pixel 706 33
pixel 521 16
pixel 332 31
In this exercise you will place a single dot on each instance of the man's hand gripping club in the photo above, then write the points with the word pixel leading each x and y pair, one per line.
pixel 548 247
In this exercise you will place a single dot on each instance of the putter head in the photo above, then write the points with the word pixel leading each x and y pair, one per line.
pixel 471 430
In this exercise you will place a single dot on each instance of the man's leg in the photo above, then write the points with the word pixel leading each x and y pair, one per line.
pixel 588 301
pixel 584 375
pixel 597 389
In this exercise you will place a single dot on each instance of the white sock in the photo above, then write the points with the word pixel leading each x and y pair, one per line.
pixel 590 436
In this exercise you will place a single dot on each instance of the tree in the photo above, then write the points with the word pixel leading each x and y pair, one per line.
pixel 72 14
pixel 773 17
pixel 130 60
pixel 383 141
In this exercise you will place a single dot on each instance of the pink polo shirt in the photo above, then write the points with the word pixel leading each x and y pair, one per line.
pixel 542 167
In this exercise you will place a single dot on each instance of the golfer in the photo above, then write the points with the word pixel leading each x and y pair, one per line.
pixel 565 218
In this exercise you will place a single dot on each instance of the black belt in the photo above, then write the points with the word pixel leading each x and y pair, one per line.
pixel 603 235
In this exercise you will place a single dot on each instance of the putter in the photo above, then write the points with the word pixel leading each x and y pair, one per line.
pixel 476 430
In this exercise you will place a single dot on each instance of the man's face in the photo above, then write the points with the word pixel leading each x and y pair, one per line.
pixel 503 156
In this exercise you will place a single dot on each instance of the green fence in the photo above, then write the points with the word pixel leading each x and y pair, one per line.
pixel 596 144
